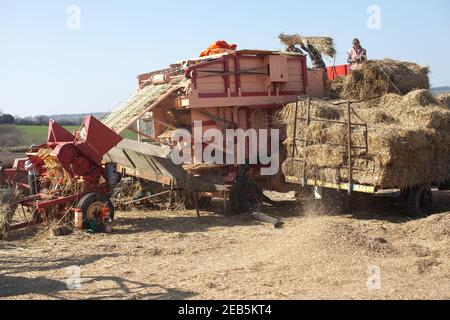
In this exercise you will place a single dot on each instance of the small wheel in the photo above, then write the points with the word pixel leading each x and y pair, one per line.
pixel 91 205
pixel 420 201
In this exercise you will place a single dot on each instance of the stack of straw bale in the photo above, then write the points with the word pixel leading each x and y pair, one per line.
pixel 408 141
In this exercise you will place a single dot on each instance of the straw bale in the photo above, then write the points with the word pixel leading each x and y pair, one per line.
pixel 376 78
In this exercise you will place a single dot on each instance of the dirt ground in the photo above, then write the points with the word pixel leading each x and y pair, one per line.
pixel 318 254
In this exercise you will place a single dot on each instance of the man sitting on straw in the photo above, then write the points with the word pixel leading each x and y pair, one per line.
pixel 356 55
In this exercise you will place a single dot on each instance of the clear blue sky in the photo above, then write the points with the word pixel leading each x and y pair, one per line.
pixel 46 68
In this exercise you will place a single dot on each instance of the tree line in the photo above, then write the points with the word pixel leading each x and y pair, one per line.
pixel 37 120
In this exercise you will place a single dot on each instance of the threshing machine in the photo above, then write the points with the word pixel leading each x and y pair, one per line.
pixel 236 90
pixel 62 179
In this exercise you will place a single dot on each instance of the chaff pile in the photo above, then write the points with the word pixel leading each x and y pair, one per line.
pixel 408 141
pixel 376 78
pixel 324 45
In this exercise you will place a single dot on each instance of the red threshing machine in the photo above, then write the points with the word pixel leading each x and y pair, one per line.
pixel 66 179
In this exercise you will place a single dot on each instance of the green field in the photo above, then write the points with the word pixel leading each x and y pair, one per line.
pixel 40 132
pixel 19 138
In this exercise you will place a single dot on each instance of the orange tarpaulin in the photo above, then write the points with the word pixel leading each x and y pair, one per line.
pixel 218 47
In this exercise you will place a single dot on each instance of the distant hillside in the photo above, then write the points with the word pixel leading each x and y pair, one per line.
pixel 440 90
pixel 74 117
pixel 63 119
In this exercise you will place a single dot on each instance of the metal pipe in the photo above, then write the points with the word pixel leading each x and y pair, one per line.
pixel 350 167
pixel 295 129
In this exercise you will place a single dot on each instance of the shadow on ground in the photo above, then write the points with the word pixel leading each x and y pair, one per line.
pixel 182 224
pixel 123 289
pixel 14 284
pixel 21 264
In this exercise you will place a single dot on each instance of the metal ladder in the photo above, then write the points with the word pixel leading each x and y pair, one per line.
pixel 351 156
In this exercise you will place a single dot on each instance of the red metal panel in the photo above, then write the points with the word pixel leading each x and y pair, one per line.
pixel 57 133
pixel 305 74
pixel 223 91
pixel 237 68
pixel 212 95
pixel 255 94
pixel 336 71
pixel 58 201
pixel 226 67
pixel 99 139
pixel 291 93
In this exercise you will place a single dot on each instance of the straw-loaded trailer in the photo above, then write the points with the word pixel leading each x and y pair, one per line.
pixel 231 91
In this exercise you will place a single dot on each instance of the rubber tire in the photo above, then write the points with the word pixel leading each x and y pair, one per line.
pixel 419 201
pixel 89 199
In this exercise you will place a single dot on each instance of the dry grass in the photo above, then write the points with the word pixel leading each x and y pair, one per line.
pixel 324 45
pixel 8 197
pixel 444 99
pixel 174 255
pixel 379 77
pixel 408 140
pixel 10 137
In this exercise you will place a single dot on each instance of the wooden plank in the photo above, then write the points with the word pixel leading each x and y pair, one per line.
pixel 145 148
pixel 146 161
pixel 141 163
pixel 336 186
pixel 118 156
pixel 259 216
pixel 146 175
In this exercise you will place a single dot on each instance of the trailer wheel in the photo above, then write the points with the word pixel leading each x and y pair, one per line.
pixel 420 201
pixel 90 205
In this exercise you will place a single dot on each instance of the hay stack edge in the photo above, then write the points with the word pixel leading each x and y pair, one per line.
pixel 379 77
pixel 408 135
